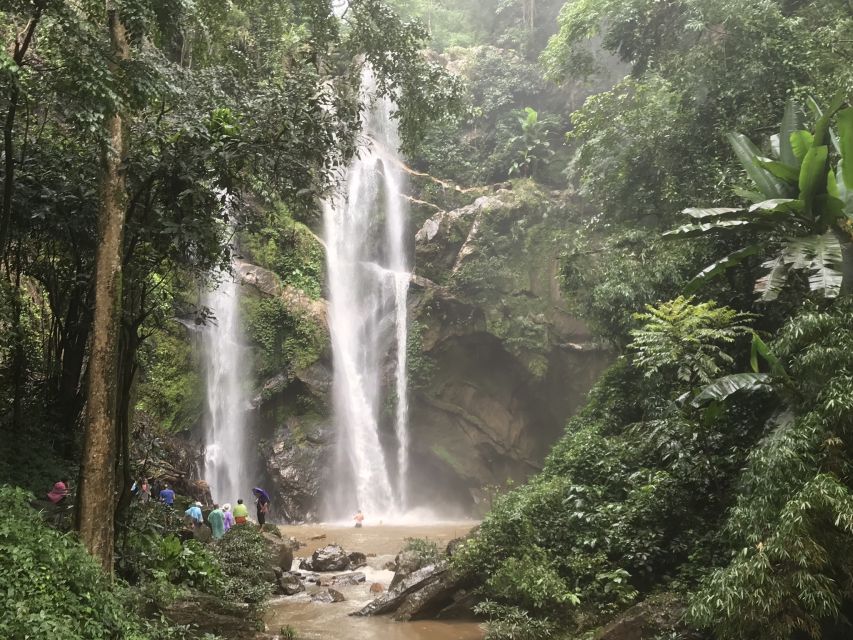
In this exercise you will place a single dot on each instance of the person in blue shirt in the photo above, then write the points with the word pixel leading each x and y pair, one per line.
pixel 194 513
pixel 167 495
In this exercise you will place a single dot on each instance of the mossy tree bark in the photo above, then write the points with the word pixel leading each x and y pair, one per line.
pixel 97 478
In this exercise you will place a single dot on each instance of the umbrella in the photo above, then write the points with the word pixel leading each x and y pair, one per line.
pixel 259 491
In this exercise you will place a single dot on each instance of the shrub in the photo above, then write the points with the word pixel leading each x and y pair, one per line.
pixel 50 587
pixel 243 557
pixel 426 550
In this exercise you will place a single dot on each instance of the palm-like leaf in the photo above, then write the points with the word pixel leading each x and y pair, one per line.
pixel 721 266
pixel 724 387
pixel 748 154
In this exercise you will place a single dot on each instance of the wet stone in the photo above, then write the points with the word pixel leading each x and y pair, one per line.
pixel 330 558
pixel 328 596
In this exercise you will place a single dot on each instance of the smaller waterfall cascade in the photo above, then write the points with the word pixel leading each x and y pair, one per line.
pixel 368 275
pixel 225 368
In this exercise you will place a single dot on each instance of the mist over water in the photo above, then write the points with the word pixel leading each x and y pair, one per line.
pixel 368 275
pixel 225 363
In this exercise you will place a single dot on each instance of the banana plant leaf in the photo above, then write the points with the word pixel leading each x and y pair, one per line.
pixel 748 154
pixel 845 134
pixel 689 230
pixel 721 266
pixel 812 177
pixel 726 386
pixel 772 283
pixel 801 142
pixel 791 121
pixel 700 214
pixel 781 170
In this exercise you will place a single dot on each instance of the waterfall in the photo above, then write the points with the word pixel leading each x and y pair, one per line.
pixel 368 279
pixel 224 356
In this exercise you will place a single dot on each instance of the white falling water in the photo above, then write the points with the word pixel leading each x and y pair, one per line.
pixel 368 287
pixel 225 367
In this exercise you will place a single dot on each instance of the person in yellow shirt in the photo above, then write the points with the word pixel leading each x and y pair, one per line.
pixel 241 512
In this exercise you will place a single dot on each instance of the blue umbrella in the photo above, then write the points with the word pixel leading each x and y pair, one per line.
pixel 258 490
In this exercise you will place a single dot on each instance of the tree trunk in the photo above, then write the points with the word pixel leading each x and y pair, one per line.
pixel 97 478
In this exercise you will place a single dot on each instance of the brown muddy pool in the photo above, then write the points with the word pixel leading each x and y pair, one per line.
pixel 315 621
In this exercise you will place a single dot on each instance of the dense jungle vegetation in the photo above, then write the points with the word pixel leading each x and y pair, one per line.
pixel 707 148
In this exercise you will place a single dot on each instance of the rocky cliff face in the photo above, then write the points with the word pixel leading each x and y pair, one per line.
pixel 497 362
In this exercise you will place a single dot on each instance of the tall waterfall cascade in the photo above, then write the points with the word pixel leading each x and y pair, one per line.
pixel 225 365
pixel 368 276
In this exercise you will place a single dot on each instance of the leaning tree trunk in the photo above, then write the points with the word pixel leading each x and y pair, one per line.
pixel 97 478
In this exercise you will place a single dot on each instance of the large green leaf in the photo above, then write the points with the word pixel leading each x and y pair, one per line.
pixel 772 283
pixel 724 387
pixel 845 142
pixel 801 142
pixel 721 266
pixel 823 118
pixel 747 153
pixel 760 348
pixel 791 121
pixel 746 194
pixel 776 205
pixel 700 214
pixel 813 174
pixel 781 170
pixel 689 230
pixel 826 256
pixel 821 255
pixel 845 193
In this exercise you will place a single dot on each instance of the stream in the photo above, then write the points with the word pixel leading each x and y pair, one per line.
pixel 315 621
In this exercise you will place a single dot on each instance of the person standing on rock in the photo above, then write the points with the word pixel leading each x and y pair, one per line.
pixel 216 520
pixel 359 519
pixel 241 512
pixel 227 516
pixel 262 505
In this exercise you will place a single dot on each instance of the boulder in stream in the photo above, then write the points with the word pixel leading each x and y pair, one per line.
pixel 330 558
pixel 430 592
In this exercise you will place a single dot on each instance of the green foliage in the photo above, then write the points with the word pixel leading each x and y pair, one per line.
pixel 687 341
pixel 791 526
pixel 51 588
pixel 285 339
pixel 797 214
pixel 533 149
pixel 187 563
pixel 243 557
pixel 426 550
pixel 513 623
pixel 290 250
pixel 171 390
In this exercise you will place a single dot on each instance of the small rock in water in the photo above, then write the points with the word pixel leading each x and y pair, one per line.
pixel 305 564
pixel 390 565
pixel 295 544
pixel 328 596
pixel 357 560
pixel 344 579
pixel 376 587
pixel 321 536
pixel 290 584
